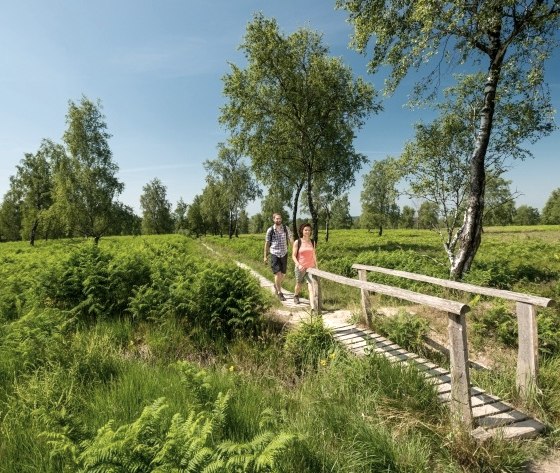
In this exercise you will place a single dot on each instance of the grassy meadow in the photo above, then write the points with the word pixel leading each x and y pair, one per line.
pixel 155 354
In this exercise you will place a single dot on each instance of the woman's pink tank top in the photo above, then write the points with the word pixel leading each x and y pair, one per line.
pixel 306 254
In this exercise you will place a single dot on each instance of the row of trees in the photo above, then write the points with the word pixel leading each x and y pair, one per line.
pixel 292 112
pixel 442 195
pixel 68 188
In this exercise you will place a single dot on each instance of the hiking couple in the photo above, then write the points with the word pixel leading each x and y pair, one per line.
pixel 278 237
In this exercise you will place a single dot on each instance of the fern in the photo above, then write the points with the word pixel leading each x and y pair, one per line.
pixel 153 444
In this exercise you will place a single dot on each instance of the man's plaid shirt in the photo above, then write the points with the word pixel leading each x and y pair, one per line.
pixel 278 240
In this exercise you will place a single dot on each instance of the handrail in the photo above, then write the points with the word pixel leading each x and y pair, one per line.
pixel 472 288
pixel 527 355
pixel 461 408
pixel 410 296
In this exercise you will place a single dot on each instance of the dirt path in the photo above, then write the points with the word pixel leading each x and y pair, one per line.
pixel 292 313
pixel 551 464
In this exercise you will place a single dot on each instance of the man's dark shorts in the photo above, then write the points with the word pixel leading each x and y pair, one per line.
pixel 279 263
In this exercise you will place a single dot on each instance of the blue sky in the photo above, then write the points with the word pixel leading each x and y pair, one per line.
pixel 157 67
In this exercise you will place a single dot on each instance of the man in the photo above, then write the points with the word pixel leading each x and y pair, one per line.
pixel 276 244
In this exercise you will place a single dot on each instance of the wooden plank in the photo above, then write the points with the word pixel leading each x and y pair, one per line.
pixel 527 354
pixel 501 419
pixel 526 429
pixel 355 343
pixel 489 413
pixel 348 336
pixel 366 307
pixel 443 388
pixel 315 298
pixel 484 410
pixel 460 378
pixel 471 288
pixel 431 301
pixel 444 378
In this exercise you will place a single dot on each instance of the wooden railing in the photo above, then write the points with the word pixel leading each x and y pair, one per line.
pixel 527 355
pixel 461 408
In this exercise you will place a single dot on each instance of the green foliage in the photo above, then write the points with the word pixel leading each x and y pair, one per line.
pixel 548 324
pixel 80 283
pixel 551 210
pixel 348 414
pixel 155 443
pixel 156 209
pixel 126 271
pixel 378 199
pixel 309 344
pixel 498 322
pixel 526 215
pixel 294 113
pixel 406 330
pixel 226 299
pixel 33 340
pixel 85 181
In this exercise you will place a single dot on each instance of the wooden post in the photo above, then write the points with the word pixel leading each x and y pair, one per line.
pixel 460 379
pixel 316 296
pixel 527 354
pixel 366 308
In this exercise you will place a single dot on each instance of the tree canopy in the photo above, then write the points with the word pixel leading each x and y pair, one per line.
pixel 234 178
pixel 156 209
pixel 379 196
pixel 293 110
pixel 499 45
pixel 85 181
pixel 551 210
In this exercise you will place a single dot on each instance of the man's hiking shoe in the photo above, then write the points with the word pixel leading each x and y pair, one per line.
pixel 281 296
pixel 296 299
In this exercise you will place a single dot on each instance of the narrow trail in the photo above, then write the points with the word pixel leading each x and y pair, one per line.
pixel 294 313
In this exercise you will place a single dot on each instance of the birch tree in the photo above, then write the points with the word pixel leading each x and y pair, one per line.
pixel 293 111
pixel 505 42
pixel 85 181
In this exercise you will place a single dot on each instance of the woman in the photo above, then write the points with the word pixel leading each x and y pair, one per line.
pixel 304 256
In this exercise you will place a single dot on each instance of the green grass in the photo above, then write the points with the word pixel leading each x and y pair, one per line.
pixel 68 370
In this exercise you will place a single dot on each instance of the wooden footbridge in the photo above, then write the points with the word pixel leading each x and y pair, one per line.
pixel 475 410
pixel 482 414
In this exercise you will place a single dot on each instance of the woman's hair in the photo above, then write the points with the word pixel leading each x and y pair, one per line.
pixel 302 226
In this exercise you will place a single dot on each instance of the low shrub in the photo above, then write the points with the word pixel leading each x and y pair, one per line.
pixel 497 321
pixel 406 330
pixel 226 300
pixel 309 344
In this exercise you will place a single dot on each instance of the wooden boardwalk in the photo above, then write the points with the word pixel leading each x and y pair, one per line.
pixel 492 416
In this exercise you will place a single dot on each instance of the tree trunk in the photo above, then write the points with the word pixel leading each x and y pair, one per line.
pixel 33 233
pixel 470 234
pixel 230 228
pixel 312 211
pixel 327 229
pixel 294 215
pixel 380 233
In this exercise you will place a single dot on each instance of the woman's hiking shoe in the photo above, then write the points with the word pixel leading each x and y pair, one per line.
pixel 281 296
pixel 296 299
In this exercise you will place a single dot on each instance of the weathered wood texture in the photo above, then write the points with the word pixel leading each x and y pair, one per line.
pixel 460 399
pixel 431 301
pixel 460 378
pixel 527 359
pixel 490 415
pixel 471 288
